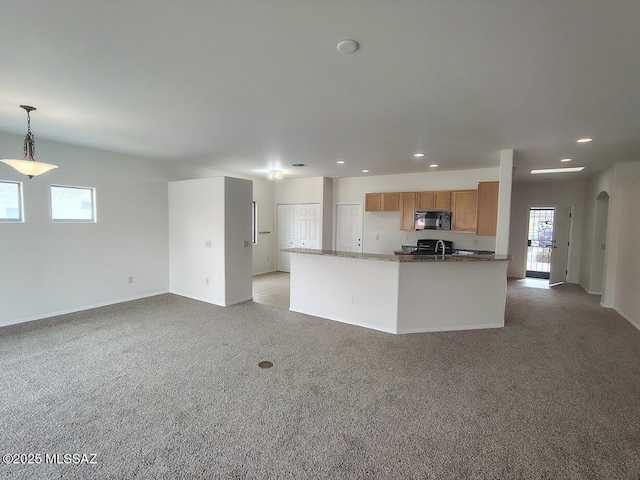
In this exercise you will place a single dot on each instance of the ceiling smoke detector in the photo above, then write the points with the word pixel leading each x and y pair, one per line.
pixel 348 46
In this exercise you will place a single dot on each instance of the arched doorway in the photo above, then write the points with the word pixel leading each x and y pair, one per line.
pixel 599 243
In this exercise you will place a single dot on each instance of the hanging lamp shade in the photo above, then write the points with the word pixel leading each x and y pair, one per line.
pixel 28 165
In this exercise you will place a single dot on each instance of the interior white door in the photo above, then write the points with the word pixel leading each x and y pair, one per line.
pixel 287 235
pixel 308 226
pixel 349 227
pixel 560 251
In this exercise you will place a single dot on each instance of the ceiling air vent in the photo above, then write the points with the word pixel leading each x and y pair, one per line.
pixel 298 165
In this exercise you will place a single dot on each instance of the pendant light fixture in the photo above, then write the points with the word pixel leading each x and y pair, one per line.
pixel 28 166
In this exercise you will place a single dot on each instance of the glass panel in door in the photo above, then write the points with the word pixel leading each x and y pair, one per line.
pixel 540 242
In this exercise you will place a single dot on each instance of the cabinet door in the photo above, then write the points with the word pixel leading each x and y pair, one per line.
pixel 390 202
pixel 465 210
pixel 487 208
pixel 372 202
pixel 442 200
pixel 407 211
pixel 424 201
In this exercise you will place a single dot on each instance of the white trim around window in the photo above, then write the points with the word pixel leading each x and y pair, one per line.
pixel 11 202
pixel 73 204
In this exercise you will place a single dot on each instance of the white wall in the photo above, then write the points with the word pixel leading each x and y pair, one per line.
pixel 381 230
pixel 264 259
pixel 237 239
pixel 209 219
pixel 504 202
pixel 558 193
pixel 623 263
pixel 49 268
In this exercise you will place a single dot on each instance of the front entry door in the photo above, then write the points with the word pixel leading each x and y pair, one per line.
pixel 560 250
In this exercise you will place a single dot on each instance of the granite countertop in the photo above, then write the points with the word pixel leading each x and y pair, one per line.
pixel 401 257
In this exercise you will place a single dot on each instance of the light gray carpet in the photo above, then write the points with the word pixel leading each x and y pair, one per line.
pixel 168 387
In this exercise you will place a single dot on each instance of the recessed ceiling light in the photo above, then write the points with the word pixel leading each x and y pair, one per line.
pixel 433 165
pixel 348 46
pixel 557 170
pixel 365 171
pixel 419 155
pixel 340 162
pixel 565 160
pixel 585 140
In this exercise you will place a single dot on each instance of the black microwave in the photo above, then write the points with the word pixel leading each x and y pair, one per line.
pixel 433 221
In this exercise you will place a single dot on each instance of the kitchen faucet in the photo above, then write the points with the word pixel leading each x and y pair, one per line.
pixel 440 242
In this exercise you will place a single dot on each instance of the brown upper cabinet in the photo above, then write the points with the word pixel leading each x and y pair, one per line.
pixel 434 201
pixel 464 207
pixel 442 200
pixel 424 201
pixel 372 202
pixel 407 211
pixel 487 208
pixel 382 202
pixel 390 202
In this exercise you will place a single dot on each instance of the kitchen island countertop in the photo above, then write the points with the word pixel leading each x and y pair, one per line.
pixel 403 257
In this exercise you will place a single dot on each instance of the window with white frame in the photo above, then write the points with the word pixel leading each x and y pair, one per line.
pixel 11 202
pixel 73 204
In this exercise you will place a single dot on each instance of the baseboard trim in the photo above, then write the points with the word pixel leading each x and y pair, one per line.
pixel 348 322
pixel 240 300
pixel 589 291
pixel 210 302
pixel 451 329
pixel 80 309
pixel 627 318
pixel 266 271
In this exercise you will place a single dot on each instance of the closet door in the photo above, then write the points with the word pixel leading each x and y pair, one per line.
pixel 308 226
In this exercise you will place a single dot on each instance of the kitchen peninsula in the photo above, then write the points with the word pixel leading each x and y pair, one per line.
pixel 400 293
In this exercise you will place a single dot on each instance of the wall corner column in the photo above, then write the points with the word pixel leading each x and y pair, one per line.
pixel 504 202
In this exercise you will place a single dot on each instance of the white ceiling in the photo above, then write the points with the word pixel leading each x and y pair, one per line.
pixel 239 85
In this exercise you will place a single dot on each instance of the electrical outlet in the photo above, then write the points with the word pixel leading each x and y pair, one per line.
pixel 206 281
pixel 207 244
pixel 130 279
pixel 377 237
pixel 246 243
pixel 475 242
pixel 267 259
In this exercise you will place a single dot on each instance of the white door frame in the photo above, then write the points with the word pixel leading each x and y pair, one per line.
pixel 561 246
